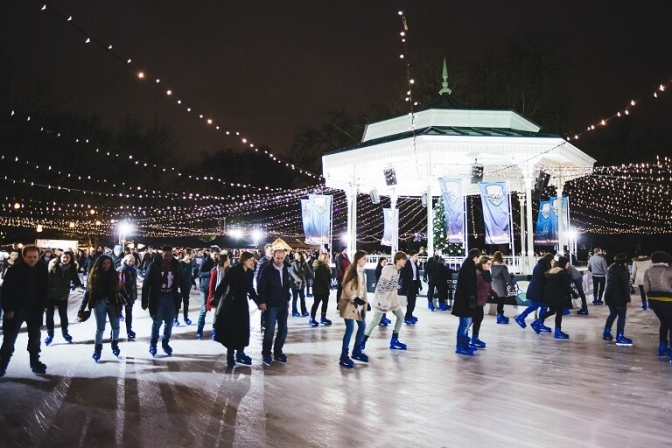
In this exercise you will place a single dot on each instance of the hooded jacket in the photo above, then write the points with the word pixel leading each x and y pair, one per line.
pixel 558 289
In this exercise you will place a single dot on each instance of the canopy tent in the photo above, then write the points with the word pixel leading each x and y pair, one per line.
pixel 447 139
pixel 281 244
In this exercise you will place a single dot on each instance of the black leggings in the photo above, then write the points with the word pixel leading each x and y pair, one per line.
pixel 324 298
pixel 642 293
pixel 598 287
pixel 478 318
pixel 557 310
pixel 500 305
pixel 663 311
pixel 62 312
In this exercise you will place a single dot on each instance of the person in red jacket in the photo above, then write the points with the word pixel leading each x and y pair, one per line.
pixel 216 275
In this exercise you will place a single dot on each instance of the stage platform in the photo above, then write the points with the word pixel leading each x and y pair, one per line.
pixel 524 390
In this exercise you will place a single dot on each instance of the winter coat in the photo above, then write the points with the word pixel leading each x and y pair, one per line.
pixel 598 266
pixel 271 290
pixel 151 287
pixel 501 279
pixel 60 279
pixel 408 285
pixel 342 263
pixel 639 267
pixel 483 287
pixel 232 324
pixel 347 308
pixel 558 289
pixel 658 282
pixel 387 298
pixel 106 290
pixel 300 274
pixel 26 288
pixel 322 282
pixel 465 293
pixel 617 290
pixel 535 290
pixel 128 279
pixel 204 273
pixel 187 270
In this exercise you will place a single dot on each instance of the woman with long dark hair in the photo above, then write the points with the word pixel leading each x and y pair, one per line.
pixel 352 308
pixel 128 280
pixel 232 318
pixel 321 289
pixel 62 272
pixel 103 299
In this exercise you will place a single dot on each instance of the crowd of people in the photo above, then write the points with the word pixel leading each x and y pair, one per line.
pixel 35 282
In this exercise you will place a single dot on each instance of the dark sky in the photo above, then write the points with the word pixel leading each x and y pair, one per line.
pixel 270 68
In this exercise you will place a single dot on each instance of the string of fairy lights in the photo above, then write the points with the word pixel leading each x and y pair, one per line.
pixel 170 93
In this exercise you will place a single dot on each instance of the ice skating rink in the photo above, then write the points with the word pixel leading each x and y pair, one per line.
pixel 523 390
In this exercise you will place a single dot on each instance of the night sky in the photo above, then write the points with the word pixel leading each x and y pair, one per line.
pixel 271 68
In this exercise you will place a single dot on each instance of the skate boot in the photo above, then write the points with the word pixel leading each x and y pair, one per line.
pixel 622 340
pixel 395 344
pixel 345 360
pixel 115 348
pixel 97 349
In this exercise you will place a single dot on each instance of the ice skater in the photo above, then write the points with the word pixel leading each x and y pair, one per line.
pixel 617 298
pixel 353 309
pixel 557 296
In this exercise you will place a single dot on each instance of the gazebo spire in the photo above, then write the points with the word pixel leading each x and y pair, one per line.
pixel 444 84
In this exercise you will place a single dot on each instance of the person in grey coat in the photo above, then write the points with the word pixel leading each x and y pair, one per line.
pixel 597 265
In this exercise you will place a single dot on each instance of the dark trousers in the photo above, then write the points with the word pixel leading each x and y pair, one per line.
pixel 614 311
pixel 598 287
pixel 579 287
pixel 275 314
pixel 642 293
pixel 430 290
pixel 185 305
pixel 298 294
pixel 339 291
pixel 557 310
pixel 62 306
pixel 324 298
pixel 411 296
pixel 663 311
pixel 500 305
pixel 128 309
pixel 478 318
pixel 11 328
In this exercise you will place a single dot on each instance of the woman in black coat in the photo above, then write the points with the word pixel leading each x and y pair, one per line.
pixel 465 301
pixel 535 291
pixel 617 297
pixel 232 319
pixel 321 289
pixel 557 296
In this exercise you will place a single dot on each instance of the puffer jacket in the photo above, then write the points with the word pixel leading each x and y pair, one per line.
pixel 558 288
pixel 617 291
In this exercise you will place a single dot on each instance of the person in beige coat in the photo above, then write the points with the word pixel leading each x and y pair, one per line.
pixel 639 266
pixel 352 308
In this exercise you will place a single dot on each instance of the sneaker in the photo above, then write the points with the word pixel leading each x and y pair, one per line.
pixel 280 357
pixel 267 360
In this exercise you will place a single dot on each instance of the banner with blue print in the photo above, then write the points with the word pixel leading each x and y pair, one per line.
pixel 496 212
pixel 546 231
pixel 316 217
pixel 390 223
pixel 452 193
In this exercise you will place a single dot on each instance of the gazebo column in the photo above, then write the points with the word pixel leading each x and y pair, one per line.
pixel 395 237
pixel 430 221
pixel 523 260
pixel 530 228
pixel 561 218
pixel 351 231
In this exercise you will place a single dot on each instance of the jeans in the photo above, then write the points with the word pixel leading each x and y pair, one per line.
pixel 598 287
pixel 579 287
pixel 165 313
pixel 62 312
pixel 101 311
pixel 614 311
pixel 349 329
pixel 11 328
pixel 202 313
pixel 463 332
pixel 275 314
pixel 533 307
pixel 298 294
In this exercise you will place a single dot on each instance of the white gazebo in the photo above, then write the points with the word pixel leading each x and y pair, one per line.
pixel 445 140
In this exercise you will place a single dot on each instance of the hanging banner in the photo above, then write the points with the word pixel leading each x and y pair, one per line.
pixel 316 214
pixel 546 229
pixel 496 213
pixel 452 194
pixel 390 223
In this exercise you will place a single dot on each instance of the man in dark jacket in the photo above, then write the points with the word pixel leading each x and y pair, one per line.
pixel 204 284
pixel 25 291
pixel 162 293
pixel 410 286
pixel 465 301
pixel 342 262
pixel 273 290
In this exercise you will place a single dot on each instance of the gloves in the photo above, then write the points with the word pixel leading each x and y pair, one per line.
pixel 368 307
pixel 359 301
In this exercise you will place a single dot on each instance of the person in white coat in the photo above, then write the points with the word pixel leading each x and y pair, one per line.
pixel 639 266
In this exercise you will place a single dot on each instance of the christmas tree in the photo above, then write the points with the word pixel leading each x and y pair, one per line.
pixel 440 233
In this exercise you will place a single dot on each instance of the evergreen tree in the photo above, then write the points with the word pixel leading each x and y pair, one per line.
pixel 439 231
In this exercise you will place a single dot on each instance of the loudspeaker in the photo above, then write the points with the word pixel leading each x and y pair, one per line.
pixel 476 173
pixel 542 181
pixel 390 176
pixel 375 198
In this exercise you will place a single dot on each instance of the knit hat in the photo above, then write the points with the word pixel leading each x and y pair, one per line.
pixel 562 262
pixel 118 248
pixel 660 257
